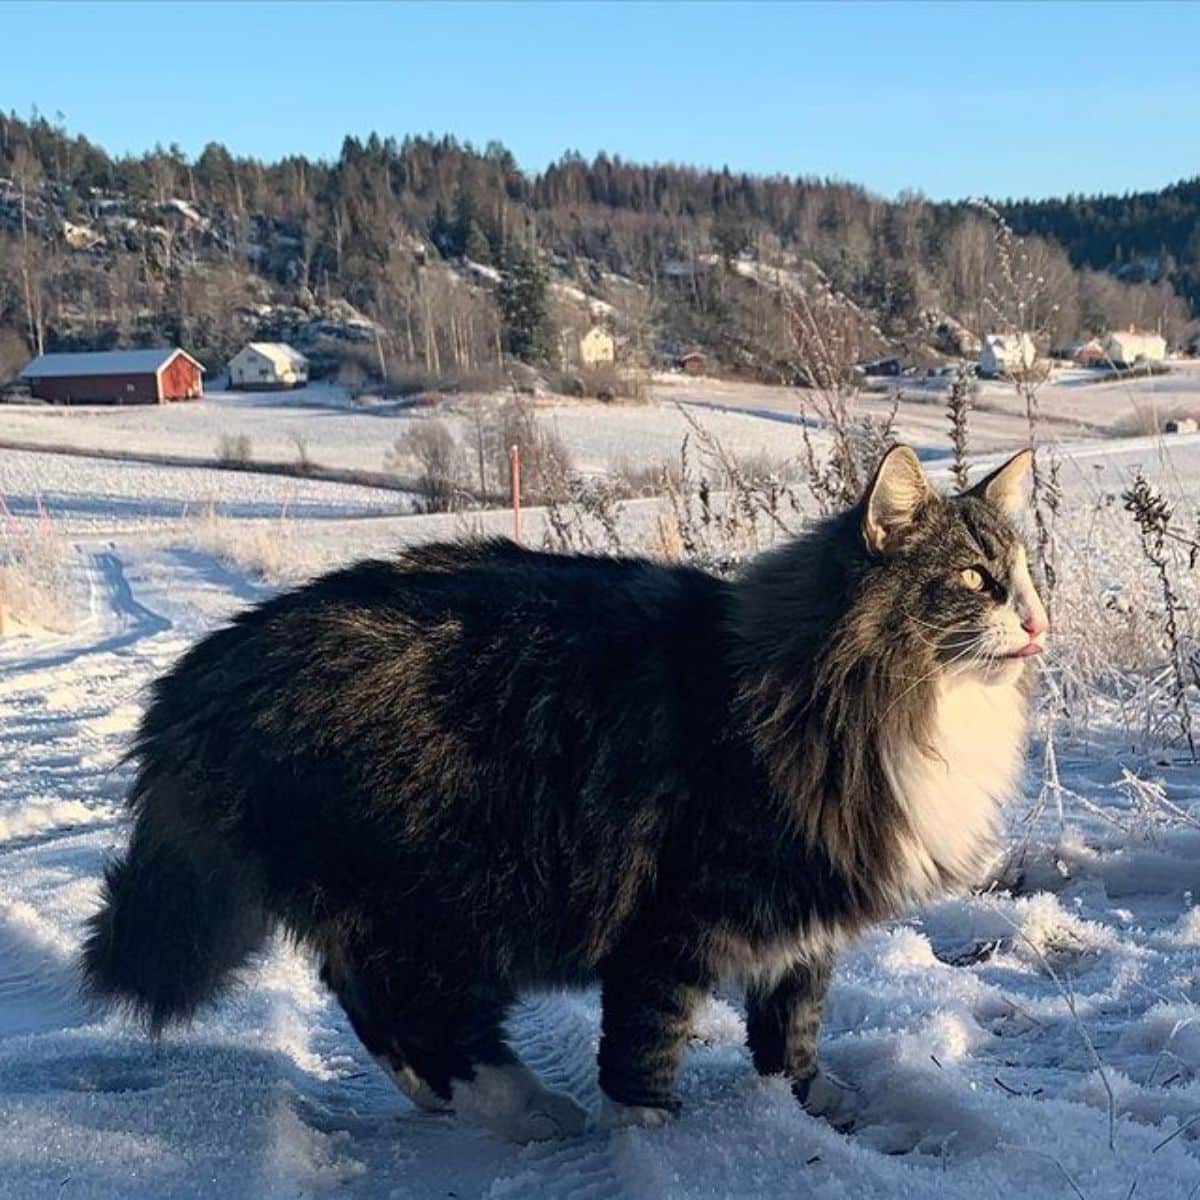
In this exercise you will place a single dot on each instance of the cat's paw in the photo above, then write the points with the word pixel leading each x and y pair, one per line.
pixel 614 1115
pixel 514 1104
pixel 548 1116
pixel 826 1096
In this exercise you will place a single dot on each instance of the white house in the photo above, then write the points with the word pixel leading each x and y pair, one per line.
pixel 265 366
pixel 597 348
pixel 1006 354
pixel 1126 348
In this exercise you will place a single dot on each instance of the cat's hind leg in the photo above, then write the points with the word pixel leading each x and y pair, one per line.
pixel 648 1008
pixel 448 1052
pixel 374 1022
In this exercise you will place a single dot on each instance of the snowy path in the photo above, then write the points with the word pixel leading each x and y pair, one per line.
pixel 973 1075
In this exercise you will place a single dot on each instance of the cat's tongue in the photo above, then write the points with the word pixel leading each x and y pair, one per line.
pixel 1026 651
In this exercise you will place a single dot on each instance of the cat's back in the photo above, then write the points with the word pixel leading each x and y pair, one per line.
pixel 478 631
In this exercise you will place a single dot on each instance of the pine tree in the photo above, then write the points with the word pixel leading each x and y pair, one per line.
pixel 476 246
pixel 528 329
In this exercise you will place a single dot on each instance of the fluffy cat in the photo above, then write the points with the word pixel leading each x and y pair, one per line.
pixel 477 769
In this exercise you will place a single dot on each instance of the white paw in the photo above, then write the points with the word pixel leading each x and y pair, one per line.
pixel 549 1116
pixel 830 1097
pixel 614 1115
pixel 514 1104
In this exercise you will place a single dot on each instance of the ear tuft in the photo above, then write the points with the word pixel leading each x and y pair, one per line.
pixel 1004 487
pixel 891 503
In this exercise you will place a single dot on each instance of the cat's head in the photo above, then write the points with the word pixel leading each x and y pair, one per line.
pixel 958 566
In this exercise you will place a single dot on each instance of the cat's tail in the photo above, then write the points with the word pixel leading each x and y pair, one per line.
pixel 181 912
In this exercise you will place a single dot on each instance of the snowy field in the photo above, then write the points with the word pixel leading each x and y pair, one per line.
pixel 751 420
pixel 1073 405
pixel 95 494
pixel 984 1034
pixel 339 434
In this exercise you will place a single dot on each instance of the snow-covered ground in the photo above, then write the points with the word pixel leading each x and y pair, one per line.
pixel 92 493
pixel 983 1034
pixel 1072 404
pixel 750 420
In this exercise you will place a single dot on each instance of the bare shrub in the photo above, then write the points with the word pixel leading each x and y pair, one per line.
pixel 583 515
pixel 235 448
pixel 304 460
pixel 35 580
pixel 717 509
pixel 727 509
pixel 410 379
pixel 638 480
pixel 441 469
pixel 546 463
pixel 14 354
pixel 827 334
pixel 454 474
pixel 606 382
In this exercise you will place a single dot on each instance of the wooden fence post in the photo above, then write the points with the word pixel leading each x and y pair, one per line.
pixel 514 455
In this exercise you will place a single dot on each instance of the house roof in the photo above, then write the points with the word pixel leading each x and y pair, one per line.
pixel 104 362
pixel 280 353
pixel 1130 335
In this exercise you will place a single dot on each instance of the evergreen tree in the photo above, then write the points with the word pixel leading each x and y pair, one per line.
pixel 475 245
pixel 528 330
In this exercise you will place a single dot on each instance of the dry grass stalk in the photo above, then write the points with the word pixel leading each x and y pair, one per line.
pixel 958 404
pixel 1153 515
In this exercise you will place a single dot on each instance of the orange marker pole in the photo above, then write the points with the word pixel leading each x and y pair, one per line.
pixel 514 455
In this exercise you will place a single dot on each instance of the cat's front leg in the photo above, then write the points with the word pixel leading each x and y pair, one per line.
pixel 648 1004
pixel 783 1027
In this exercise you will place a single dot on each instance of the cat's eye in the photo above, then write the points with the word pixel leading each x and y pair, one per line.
pixel 973 578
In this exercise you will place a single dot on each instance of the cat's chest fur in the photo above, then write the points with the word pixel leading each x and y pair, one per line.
pixel 949 791
pixel 951 788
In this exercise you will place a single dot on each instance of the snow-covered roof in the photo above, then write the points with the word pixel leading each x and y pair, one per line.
pixel 280 353
pixel 104 362
pixel 1130 337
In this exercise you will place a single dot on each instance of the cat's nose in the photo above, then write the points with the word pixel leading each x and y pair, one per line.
pixel 1035 623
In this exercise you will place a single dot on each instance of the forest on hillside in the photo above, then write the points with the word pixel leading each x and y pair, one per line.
pixel 433 253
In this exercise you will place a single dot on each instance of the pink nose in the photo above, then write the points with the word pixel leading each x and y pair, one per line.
pixel 1034 624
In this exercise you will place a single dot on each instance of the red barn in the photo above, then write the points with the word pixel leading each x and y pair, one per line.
pixel 116 377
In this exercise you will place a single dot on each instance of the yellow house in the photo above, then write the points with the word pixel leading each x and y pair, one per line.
pixel 596 347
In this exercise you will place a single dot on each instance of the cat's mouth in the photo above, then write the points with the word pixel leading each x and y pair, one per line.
pixel 1026 651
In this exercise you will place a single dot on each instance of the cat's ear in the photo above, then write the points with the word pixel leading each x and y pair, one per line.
pixel 1004 487
pixel 891 503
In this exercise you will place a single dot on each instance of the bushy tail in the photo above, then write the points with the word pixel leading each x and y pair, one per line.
pixel 181 913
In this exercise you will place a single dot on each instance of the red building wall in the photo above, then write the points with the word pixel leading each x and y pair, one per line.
pixel 97 389
pixel 182 380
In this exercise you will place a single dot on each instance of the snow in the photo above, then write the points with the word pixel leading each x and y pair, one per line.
pixel 88 493
pixel 981 1037
pixel 320 415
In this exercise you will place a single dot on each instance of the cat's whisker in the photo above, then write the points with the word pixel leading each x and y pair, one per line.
pixel 940 667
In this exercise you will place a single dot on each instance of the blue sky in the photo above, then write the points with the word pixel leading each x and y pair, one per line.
pixel 951 99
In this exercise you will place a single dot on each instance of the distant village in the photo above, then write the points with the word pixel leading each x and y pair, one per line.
pixel 161 376
pixel 168 374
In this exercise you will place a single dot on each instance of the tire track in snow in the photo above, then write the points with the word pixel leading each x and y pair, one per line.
pixel 64 718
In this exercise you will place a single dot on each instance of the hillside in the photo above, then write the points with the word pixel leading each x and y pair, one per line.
pixel 1138 236
pixel 432 256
